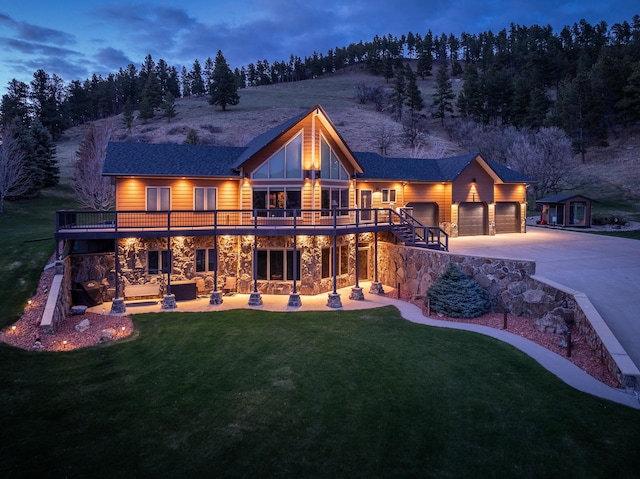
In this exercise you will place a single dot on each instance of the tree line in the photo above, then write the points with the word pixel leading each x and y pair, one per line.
pixel 584 79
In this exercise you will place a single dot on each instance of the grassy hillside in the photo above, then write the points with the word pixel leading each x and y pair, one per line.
pixel 610 175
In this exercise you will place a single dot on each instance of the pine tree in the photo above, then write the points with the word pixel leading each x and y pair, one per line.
pixel 197 83
pixel 127 115
pixel 44 150
pixel 192 137
pixel 456 296
pixel 146 110
pixel 443 96
pixel 414 98
pixel 398 94
pixel 224 90
pixel 169 107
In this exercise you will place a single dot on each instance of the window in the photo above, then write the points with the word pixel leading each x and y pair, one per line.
pixel 285 163
pixel 342 261
pixel 206 260
pixel 158 261
pixel 274 263
pixel 339 195
pixel 158 198
pixel 277 198
pixel 204 199
pixel 388 196
pixel 330 166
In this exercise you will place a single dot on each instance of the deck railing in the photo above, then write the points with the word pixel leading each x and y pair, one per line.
pixel 284 220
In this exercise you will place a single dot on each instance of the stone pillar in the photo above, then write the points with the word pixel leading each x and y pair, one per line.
pixel 294 300
pixel 216 297
pixel 169 302
pixel 255 299
pixel 376 288
pixel 117 306
pixel 59 267
pixel 356 294
pixel 333 301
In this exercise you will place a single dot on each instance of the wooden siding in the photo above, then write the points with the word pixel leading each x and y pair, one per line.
pixel 510 192
pixel 464 190
pixel 131 193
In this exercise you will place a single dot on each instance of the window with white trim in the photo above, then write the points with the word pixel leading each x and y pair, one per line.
pixel 158 198
pixel 206 260
pixel 284 163
pixel 388 195
pixel 204 199
pixel 158 261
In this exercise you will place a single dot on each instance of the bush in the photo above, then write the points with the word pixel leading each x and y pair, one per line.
pixel 456 296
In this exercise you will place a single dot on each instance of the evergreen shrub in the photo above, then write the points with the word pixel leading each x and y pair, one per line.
pixel 457 296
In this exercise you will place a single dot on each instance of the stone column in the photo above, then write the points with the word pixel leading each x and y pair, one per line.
pixel 117 306
pixel 356 294
pixel 255 299
pixel 376 288
pixel 216 297
pixel 169 302
pixel 333 301
pixel 294 300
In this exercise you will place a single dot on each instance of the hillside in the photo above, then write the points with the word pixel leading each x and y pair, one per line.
pixel 611 174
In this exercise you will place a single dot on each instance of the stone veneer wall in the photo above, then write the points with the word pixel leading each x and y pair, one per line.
pixel 510 285
pixel 59 300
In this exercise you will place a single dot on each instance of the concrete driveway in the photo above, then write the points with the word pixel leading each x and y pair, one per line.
pixel 606 269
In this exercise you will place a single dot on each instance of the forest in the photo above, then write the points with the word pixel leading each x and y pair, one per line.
pixel 584 80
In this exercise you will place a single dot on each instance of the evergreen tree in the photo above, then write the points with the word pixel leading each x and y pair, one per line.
pixel 192 138
pixel 15 103
pixel 44 151
pixel 443 96
pixel 470 100
pixel 197 83
pixel 414 98
pixel 146 110
pixel 425 60
pixel 456 296
pixel 224 90
pixel 628 106
pixel 186 82
pixel 127 115
pixel 169 107
pixel 398 94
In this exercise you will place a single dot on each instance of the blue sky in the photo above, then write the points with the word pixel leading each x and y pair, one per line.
pixel 75 38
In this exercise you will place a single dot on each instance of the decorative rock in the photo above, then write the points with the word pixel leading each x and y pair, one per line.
pixel 551 323
pixel 82 325
pixel 333 301
pixel 107 335
pixel 78 309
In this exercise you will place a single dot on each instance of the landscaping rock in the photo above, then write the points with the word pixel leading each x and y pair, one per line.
pixel 82 325
pixel 108 334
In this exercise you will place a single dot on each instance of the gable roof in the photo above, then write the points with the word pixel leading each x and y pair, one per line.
pixel 561 198
pixel 154 159
pixel 377 167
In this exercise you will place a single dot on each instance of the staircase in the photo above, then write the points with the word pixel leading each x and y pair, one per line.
pixel 412 232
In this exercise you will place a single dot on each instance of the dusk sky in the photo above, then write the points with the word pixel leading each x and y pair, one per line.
pixel 76 38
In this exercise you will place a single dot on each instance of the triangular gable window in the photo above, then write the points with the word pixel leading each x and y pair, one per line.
pixel 284 163
pixel 330 166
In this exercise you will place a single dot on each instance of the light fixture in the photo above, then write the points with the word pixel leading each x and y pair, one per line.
pixel 473 180
pixel 307 174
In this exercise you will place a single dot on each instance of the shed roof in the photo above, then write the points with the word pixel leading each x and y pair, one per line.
pixel 561 198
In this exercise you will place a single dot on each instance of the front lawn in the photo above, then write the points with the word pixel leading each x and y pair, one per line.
pixel 309 394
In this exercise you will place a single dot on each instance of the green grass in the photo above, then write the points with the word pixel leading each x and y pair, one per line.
pixel 27 230
pixel 327 394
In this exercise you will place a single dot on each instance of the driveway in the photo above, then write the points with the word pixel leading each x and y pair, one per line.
pixel 606 269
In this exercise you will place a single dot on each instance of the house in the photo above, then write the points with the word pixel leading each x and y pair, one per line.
pixel 566 210
pixel 294 211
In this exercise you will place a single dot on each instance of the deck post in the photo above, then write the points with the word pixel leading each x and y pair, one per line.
pixel 356 291
pixel 169 300
pixel 294 297
pixel 216 295
pixel 255 299
pixel 376 286
pixel 117 303
pixel 333 300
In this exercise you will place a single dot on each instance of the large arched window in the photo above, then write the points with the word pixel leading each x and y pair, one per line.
pixel 284 163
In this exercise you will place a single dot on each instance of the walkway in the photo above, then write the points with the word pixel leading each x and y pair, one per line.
pixel 556 364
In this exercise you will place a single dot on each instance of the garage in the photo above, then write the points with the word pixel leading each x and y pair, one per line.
pixel 507 217
pixel 425 213
pixel 472 219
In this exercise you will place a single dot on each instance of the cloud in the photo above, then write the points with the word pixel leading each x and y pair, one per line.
pixel 25 47
pixel 112 58
pixel 34 33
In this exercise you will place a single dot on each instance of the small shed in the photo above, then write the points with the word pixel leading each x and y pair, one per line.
pixel 566 210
